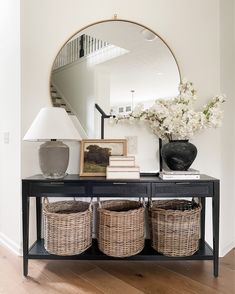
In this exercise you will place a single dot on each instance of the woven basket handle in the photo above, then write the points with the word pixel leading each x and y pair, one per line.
pixel 91 204
pixel 99 202
pixel 150 202
pixel 142 201
pixel 45 200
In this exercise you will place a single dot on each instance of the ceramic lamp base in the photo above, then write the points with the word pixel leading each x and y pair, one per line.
pixel 54 159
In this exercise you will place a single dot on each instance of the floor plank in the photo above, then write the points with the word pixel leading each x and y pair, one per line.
pixel 108 283
pixel 229 260
pixel 62 273
pixel 202 273
pixel 151 278
pixel 111 277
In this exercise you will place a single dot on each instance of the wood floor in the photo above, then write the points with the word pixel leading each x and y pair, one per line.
pixel 132 277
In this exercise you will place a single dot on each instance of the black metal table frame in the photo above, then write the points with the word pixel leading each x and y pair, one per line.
pixel 38 187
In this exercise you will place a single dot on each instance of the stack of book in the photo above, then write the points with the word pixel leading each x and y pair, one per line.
pixel 190 174
pixel 122 167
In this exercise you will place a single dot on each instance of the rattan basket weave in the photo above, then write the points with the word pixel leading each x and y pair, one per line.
pixel 67 226
pixel 121 227
pixel 175 227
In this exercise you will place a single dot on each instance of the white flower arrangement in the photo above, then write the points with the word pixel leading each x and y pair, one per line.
pixel 175 119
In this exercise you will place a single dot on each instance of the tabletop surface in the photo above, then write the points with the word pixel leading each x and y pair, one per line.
pixel 144 178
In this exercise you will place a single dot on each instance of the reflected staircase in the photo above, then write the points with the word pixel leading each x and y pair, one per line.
pixel 58 101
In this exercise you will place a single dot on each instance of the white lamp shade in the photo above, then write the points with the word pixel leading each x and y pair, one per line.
pixel 52 123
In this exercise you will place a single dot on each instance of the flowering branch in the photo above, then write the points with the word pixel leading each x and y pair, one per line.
pixel 176 118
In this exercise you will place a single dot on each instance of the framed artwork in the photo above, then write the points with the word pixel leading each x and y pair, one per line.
pixel 94 155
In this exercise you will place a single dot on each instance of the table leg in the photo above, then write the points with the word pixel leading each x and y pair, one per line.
pixel 215 216
pixel 25 223
pixel 39 217
pixel 203 203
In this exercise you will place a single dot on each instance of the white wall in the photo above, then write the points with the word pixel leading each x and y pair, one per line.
pixel 10 188
pixel 72 84
pixel 190 27
pixel 227 78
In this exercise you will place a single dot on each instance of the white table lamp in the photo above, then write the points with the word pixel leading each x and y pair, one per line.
pixel 52 125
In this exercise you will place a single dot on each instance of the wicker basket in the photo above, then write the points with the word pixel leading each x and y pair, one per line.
pixel 67 226
pixel 120 227
pixel 175 227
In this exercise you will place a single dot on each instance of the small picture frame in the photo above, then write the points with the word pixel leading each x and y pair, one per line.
pixel 94 155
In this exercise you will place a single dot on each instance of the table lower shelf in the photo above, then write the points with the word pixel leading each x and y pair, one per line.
pixel 38 251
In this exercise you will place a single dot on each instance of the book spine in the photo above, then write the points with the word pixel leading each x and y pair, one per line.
pixel 123 175
pixel 122 169
pixel 181 172
pixel 180 177
pixel 116 157
pixel 121 163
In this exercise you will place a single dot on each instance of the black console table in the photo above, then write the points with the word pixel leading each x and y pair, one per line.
pixel 146 186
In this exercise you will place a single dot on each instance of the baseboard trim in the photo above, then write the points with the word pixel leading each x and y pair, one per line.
pixel 227 248
pixel 7 242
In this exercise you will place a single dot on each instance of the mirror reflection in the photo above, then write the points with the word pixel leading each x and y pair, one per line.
pixel 117 65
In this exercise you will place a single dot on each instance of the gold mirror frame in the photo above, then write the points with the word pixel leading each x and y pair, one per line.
pixel 127 21
pixel 110 20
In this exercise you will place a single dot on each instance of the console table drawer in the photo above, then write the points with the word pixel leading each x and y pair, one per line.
pixel 122 189
pixel 58 188
pixel 182 189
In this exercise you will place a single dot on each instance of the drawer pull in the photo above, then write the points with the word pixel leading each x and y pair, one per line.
pixel 184 183
pixel 119 183
pixel 57 183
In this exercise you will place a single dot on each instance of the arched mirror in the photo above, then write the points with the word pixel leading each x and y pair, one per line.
pixel 114 64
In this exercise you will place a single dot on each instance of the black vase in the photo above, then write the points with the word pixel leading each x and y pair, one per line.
pixel 179 154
